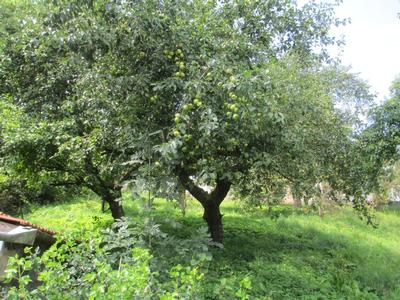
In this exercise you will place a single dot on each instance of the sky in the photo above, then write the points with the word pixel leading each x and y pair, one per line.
pixel 372 41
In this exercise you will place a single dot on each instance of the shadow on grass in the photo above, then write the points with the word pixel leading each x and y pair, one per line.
pixel 300 255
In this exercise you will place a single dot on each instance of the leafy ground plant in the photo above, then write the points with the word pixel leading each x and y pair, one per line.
pixel 131 260
pixel 297 256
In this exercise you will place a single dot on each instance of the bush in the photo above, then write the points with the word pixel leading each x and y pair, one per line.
pixel 130 260
pixel 13 196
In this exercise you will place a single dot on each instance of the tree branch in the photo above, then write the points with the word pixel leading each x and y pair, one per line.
pixel 128 174
pixel 201 195
pixel 221 190
pixel 67 183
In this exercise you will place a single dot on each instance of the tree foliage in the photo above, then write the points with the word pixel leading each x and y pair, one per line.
pixel 385 128
pixel 380 141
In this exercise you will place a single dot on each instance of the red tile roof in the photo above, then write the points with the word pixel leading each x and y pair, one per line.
pixel 16 221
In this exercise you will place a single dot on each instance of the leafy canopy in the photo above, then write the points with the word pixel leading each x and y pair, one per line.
pixel 221 93
pixel 380 141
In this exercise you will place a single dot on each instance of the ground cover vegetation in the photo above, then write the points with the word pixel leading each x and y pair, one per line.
pixel 298 256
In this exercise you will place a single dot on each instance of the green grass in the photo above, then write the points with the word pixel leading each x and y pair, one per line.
pixel 300 256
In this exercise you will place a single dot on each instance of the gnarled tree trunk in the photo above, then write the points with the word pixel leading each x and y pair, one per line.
pixel 210 201
pixel 213 217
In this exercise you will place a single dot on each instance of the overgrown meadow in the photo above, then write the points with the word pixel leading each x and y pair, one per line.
pixel 162 254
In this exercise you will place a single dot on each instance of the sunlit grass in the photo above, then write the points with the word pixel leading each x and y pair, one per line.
pixel 300 256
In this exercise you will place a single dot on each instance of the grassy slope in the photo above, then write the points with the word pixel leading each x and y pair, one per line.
pixel 297 257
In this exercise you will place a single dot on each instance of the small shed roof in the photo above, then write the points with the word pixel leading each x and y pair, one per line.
pixel 15 221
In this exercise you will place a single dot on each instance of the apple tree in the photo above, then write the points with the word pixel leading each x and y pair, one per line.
pixel 235 93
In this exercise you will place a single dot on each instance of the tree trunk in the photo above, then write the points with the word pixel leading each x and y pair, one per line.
pixel 210 202
pixel 107 190
pixel 213 217
pixel 111 197
pixel 116 208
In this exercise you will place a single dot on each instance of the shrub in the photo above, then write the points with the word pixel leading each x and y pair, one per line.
pixel 129 260
pixel 13 195
pixel 16 194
